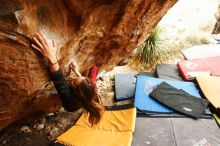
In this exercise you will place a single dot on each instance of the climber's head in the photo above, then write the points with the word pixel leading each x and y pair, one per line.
pixel 85 92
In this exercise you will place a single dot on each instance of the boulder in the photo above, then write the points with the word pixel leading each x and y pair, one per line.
pixel 100 32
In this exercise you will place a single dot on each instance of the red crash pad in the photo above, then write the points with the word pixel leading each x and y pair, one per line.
pixel 199 67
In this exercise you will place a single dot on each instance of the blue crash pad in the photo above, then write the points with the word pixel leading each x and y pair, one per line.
pixel 144 87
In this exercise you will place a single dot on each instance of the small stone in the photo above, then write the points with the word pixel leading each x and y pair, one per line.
pixel 50 114
pixel 110 94
pixel 64 121
pixel 61 109
pixel 28 139
pixel 40 126
pixel 25 128
pixel 54 132
pixel 59 125
pixel 28 130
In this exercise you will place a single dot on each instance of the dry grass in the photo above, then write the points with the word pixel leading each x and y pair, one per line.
pixel 190 23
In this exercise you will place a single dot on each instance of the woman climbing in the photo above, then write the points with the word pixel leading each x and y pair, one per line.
pixel 80 91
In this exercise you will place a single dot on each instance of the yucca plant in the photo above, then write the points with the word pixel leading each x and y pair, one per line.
pixel 154 50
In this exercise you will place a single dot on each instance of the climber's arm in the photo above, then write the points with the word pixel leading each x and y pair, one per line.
pixel 68 101
pixel 48 50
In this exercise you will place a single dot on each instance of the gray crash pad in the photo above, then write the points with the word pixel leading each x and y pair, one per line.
pixel 190 132
pixel 168 72
pixel 175 132
pixel 124 86
pixel 153 132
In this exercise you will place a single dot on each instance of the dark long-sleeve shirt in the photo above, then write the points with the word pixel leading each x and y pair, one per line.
pixel 66 95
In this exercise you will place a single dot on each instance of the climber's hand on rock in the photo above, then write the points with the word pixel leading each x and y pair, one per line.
pixel 47 49
pixel 73 66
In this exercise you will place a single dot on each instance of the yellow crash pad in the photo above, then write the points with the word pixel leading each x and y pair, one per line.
pixel 115 129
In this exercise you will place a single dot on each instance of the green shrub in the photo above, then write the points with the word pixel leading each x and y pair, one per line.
pixel 204 40
pixel 154 50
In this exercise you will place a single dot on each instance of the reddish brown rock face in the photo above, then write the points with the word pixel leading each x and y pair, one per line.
pixel 101 32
